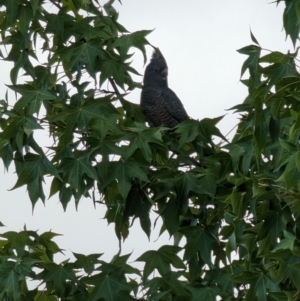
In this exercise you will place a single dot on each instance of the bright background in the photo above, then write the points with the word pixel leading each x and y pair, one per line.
pixel 199 41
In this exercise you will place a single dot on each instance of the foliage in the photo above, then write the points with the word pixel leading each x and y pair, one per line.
pixel 232 207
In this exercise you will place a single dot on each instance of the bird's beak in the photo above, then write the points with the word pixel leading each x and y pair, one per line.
pixel 164 73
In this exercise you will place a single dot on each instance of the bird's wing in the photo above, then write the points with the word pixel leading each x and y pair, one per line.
pixel 152 106
pixel 162 107
pixel 173 105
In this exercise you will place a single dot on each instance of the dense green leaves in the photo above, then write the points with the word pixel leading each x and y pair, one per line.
pixel 161 260
pixel 291 17
pixel 123 172
pixel 136 39
pixel 31 97
pixel 232 207
pixel 33 261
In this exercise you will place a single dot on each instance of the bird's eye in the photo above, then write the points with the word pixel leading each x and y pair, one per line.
pixel 156 70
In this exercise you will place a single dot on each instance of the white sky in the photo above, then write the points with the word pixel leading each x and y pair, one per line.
pixel 199 41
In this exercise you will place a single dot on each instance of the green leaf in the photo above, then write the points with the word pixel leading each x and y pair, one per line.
pixel 12 11
pixel 272 225
pixel 289 266
pixel 187 183
pixel 18 241
pixel 251 62
pixel 31 97
pixel 287 145
pixel 74 171
pixel 275 57
pixel 253 38
pixel 203 293
pixel 44 296
pixel 90 31
pixel 286 243
pixel 84 53
pixel 34 5
pixel 112 68
pixel 198 240
pixel 105 124
pixel 259 284
pixel 297 160
pixel 170 281
pixel 279 71
pixel 25 266
pixel 136 39
pixel 157 296
pixel 235 152
pixel 205 128
pixel 87 262
pixel 138 206
pixel 45 240
pixel 291 175
pixel 56 23
pixel 291 21
pixel 6 153
pixel 260 134
pixel 10 283
pixel 161 260
pixel 57 276
pixel 106 286
pixel 141 139
pixel 31 172
pixel 124 172
pixel 35 191
pixel 25 16
pixel 86 112
pixel 171 214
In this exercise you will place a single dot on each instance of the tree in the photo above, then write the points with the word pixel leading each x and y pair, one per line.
pixel 216 199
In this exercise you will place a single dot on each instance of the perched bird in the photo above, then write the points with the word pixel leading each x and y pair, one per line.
pixel 160 104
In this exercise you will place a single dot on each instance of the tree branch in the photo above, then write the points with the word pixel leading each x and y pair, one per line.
pixel 112 82
pixel 54 3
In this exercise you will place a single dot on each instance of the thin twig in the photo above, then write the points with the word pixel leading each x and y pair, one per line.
pixel 105 91
pixel 194 161
pixel 54 3
pixel 112 82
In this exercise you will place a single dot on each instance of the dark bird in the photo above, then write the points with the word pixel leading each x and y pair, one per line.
pixel 161 106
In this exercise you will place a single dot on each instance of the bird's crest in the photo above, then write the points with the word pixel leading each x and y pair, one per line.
pixel 158 58
pixel 156 53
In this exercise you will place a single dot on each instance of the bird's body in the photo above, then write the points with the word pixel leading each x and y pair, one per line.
pixel 160 104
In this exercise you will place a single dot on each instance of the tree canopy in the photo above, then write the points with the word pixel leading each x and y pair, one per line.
pixel 232 207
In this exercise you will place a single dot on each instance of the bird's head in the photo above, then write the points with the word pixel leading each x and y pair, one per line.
pixel 156 73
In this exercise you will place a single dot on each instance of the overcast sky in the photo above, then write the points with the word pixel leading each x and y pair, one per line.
pixel 199 41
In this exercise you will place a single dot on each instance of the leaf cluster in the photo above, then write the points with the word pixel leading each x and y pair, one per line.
pixel 26 256
pixel 231 207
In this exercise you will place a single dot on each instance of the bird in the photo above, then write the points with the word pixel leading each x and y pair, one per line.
pixel 160 105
